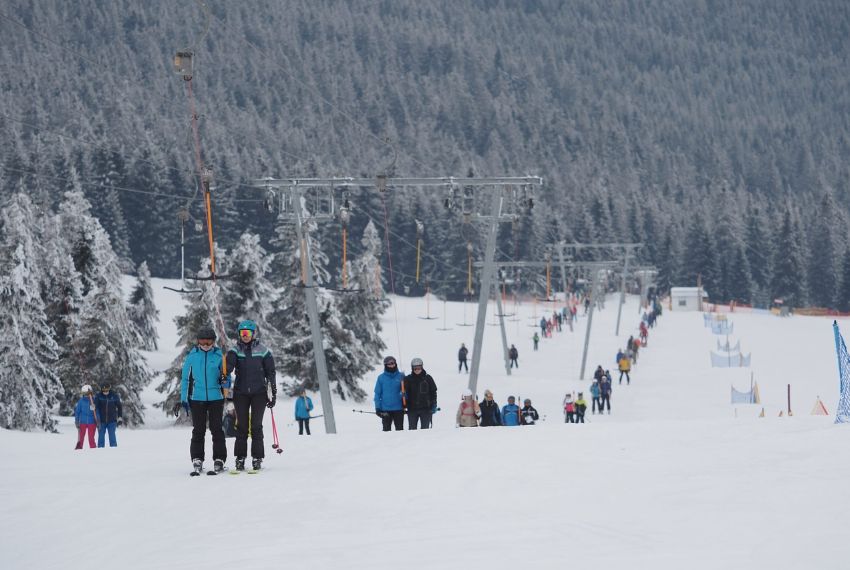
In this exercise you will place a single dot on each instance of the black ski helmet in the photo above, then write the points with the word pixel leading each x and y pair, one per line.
pixel 206 333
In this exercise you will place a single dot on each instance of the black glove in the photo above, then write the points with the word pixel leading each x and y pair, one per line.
pixel 120 422
pixel 379 413
pixel 272 402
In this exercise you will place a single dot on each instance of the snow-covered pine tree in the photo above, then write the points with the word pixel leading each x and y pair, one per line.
pixel 759 250
pixel 142 310
pixel 361 308
pixel 294 356
pixel 104 342
pixel 700 259
pixel 29 385
pixel 247 292
pixel 844 293
pixel 825 260
pixel 789 277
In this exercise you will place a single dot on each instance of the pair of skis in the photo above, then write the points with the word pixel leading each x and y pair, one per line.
pixel 275 446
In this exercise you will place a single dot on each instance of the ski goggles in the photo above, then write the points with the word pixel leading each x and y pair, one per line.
pixel 206 342
pixel 246 334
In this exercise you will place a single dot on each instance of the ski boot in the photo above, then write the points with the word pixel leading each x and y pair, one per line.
pixel 240 464
pixel 218 467
pixel 197 467
pixel 256 464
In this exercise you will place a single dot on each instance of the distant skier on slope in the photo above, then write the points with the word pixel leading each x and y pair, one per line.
pixel 581 408
pixel 462 354
pixel 201 384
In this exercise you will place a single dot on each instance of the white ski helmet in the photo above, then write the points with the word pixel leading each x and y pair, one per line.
pixel 467 393
pixel 416 362
pixel 85 389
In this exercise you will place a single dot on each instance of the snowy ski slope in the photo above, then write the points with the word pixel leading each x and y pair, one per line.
pixel 674 478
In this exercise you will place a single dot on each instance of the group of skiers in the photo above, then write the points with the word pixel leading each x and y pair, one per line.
pixel 471 413
pixel 206 385
pixel 101 412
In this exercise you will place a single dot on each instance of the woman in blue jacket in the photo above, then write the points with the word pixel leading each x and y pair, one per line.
pixel 201 387
pixel 303 407
pixel 389 398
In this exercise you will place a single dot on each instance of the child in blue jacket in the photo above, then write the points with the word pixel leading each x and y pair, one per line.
pixel 303 406
pixel 84 417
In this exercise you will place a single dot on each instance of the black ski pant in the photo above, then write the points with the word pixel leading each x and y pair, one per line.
pixel 462 364
pixel 302 425
pixel 256 405
pixel 628 379
pixel 597 403
pixel 390 418
pixel 570 417
pixel 514 363
pixel 422 417
pixel 606 399
pixel 204 413
pixel 579 417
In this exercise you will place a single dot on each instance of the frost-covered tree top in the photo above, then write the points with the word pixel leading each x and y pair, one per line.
pixel 29 385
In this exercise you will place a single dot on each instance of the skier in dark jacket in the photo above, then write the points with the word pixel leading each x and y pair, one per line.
pixel 490 414
pixel 389 401
pixel 108 408
pixel 528 414
pixel 605 393
pixel 201 386
pixel 421 391
pixel 254 389
pixel 513 354
pixel 462 353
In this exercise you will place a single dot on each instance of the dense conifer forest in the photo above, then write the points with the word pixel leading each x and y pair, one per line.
pixel 715 132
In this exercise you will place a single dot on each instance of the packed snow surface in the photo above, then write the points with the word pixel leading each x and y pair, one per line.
pixel 676 477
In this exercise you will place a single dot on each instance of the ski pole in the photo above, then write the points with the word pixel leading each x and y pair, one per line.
pixel 359 412
pixel 275 445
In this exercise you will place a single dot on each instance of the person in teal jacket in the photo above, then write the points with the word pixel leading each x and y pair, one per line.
pixel 303 407
pixel 201 395
pixel 510 413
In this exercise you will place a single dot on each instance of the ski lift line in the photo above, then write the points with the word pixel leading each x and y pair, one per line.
pixel 95 184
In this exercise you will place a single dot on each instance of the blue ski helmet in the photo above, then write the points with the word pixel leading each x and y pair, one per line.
pixel 249 325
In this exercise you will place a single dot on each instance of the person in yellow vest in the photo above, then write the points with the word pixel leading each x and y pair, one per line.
pixel 581 408
pixel 625 367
